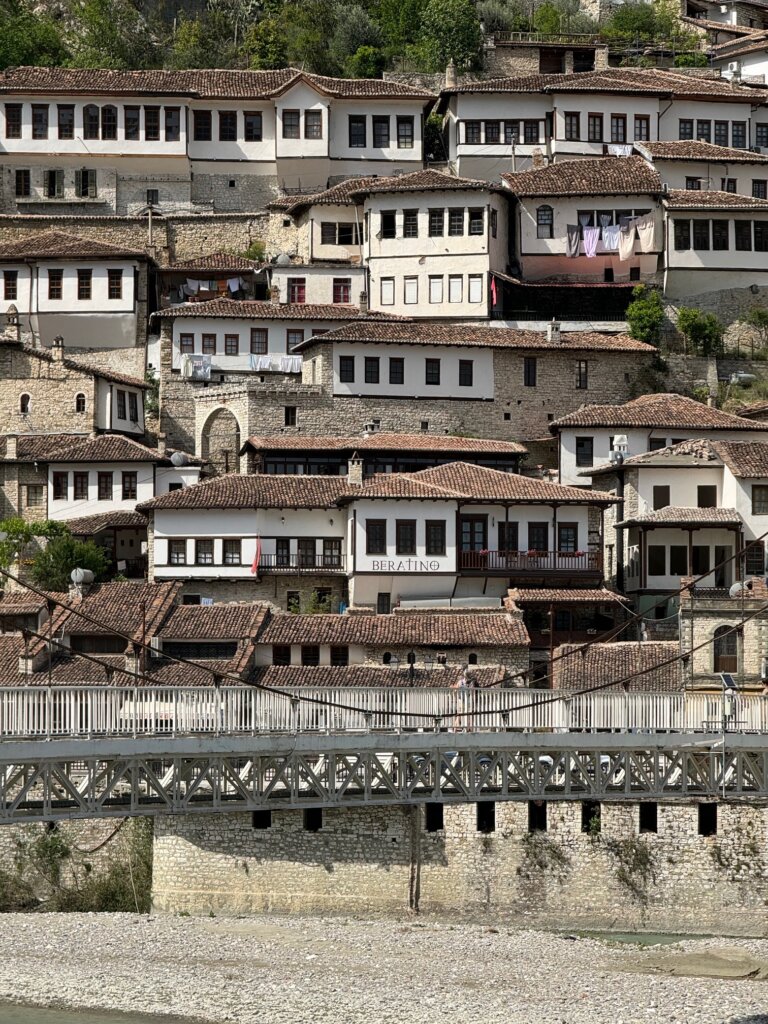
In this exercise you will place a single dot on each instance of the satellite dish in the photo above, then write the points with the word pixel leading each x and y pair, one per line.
pixel 283 260
pixel 179 459
pixel 81 576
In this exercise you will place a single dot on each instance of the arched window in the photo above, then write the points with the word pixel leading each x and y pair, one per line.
pixel 726 654
pixel 545 220
pixel 472 659
pixel 109 122
pixel 24 402
pixel 90 121
pixel 80 402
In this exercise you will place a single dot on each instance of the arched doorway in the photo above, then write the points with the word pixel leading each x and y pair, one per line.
pixel 220 441
pixel 726 652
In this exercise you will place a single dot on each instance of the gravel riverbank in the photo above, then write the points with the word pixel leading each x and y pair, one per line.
pixel 274 970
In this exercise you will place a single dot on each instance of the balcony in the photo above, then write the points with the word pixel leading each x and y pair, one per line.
pixel 301 562
pixel 531 564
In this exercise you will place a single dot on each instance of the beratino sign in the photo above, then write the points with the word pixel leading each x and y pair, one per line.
pixel 405 565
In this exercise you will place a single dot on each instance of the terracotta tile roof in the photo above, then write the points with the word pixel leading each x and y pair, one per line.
pixel 344 193
pixel 466 482
pixel 87 526
pixel 756 410
pixel 84 448
pixel 564 595
pixel 249 309
pixel 213 622
pixel 75 364
pixel 658 410
pixel 136 609
pixel 691 199
pixel 745 459
pixel 689 149
pixel 736 47
pixel 14 602
pixel 261 491
pixel 682 515
pixel 605 176
pixel 686 454
pixel 221 261
pixel 489 629
pixel 60 245
pixel 38 447
pixel 629 81
pixel 718 26
pixel 424 181
pixel 377 676
pixel 383 441
pixel 203 83
pixel 640 664
pixel 406 332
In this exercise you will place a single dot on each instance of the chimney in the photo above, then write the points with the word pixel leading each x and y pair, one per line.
pixel 13 326
pixel 57 349
pixel 553 331
pixel 274 294
pixel 451 78
pixel 538 159
pixel 363 303
pixel 134 658
pixel 161 444
pixel 355 471
pixel 11 446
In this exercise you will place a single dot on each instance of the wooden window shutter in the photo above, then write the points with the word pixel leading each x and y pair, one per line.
pixel 78 183
pixel 91 184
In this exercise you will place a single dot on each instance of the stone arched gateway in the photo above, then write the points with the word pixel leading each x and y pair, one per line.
pixel 220 441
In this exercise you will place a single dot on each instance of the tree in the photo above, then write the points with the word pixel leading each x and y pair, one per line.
pixel 401 21
pixel 27 38
pixel 547 19
pixel 366 62
pixel 354 29
pixel 450 31
pixel 111 34
pixel 757 317
pixel 52 566
pixel 691 60
pixel 645 315
pixel 266 45
pixel 308 27
pixel 16 534
pixel 703 330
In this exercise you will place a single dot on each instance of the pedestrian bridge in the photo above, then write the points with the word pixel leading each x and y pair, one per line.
pixel 69 752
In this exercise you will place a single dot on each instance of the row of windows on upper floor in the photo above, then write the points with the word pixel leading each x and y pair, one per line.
pixel 259 341
pixel 56 284
pixel 461 288
pixel 696 184
pixel 105 485
pixel 296 553
pixel 151 123
pixel 432 373
pixel 705 234
pixel 532 131
pixel 126 402
pixel 545 218
pixel 461 221
pixel 61 184
pixel 25 403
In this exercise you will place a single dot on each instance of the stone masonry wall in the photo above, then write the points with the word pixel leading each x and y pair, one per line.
pixel 52 388
pixel 381 860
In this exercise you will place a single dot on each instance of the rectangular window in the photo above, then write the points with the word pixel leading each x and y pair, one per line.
pixel 685 128
pixel 472 133
pixel 455 288
pixel 54 184
pixel 66 120
pixel 433 818
pixel 405 536
pixel 383 603
pixel 434 537
pixel 701 235
pixel 114 284
pixel 132 123
pixel 55 284
pixel 582 374
pixel 289 415
pixel 133 407
pixel 261 819
pixel 739 134
pixel 85 184
pixel 347 369
pixel 456 221
pixel 678 560
pixel 331 556
pixel 327 233
pixel 209 344
pixel 291 124
pixel 618 128
pixel 375 536
pixel 657 560
pixel 537 816
pixel 227 126
pixel 435 289
pixel 475 287
pixel 297 289
pixel 253 126
pixel 545 217
pixel 339 656
pixel 23 184
pixel 357 131
pixel 721 133
pixel 381 132
pixel 642 128
pixel 13 120
pixel 232 552
pixel 760 499
pixel 591 817
pixel 743 232
pixel 371 369
pixel 704 131
pixel 204 552
pixel 708 819
pixel 105 486
pixel 531 133
pixel 529 371
pixel 405 132
pixel 201 124
pixel 172 124
pixel 130 482
pixel 572 126
pixel 759 190
pixel 476 221
pixel 410 223
pixel 693 184
pixel 706 496
pixel 122 408
pixel 410 290
pixel 231 344
pixel 60 486
pixel 312 819
pixel 259 341
pixel 313 124
pixel 152 124
pixel 388 224
pixel 11 285
pixel 595 127
pixel 511 132
pixel 80 481
pixel 727 184
pixel 387 291
pixel 84 284
pixel 431 371
pixel 492 133
pixel 342 290
pixel 466 373
pixel 648 818
pixel 761 236
pixel 396 370
pixel 39 121
pixel 660 496
pixel 754 558
pixel 720 235
pixel 700 559
pixel 177 552
pixel 761 135
pixel 436 223
pixel 585 451
pixel 35 495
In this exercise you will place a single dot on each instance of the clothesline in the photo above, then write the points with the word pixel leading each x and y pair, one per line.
pixel 619 236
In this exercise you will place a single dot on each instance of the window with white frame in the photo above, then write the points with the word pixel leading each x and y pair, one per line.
pixel 455 288
pixel 410 290
pixel 475 288
pixel 387 291
pixel 436 289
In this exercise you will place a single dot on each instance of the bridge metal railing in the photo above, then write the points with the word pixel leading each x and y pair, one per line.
pixel 88 711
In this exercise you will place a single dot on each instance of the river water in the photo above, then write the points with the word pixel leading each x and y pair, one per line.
pixel 10 1014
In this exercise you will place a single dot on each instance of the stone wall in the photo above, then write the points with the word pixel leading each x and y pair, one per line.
pixel 273 588
pixel 52 388
pixel 382 860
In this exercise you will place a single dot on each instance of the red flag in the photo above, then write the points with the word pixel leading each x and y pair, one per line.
pixel 493 290
pixel 256 557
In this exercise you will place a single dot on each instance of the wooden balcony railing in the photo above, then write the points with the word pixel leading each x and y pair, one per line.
pixel 531 561
pixel 301 562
